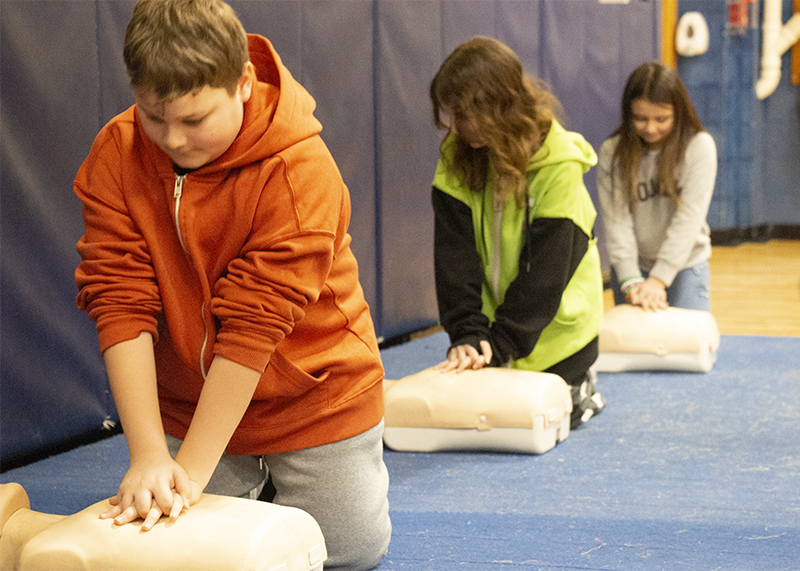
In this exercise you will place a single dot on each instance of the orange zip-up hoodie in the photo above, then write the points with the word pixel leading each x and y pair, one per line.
pixel 247 257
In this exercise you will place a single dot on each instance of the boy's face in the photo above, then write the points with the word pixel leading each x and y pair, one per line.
pixel 196 128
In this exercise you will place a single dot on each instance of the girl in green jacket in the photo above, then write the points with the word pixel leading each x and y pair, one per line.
pixel 518 276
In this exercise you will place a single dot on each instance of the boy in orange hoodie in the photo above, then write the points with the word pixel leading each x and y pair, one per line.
pixel 217 265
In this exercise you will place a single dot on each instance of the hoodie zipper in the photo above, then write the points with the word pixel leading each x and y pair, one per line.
pixel 179 178
pixel 495 261
pixel 529 203
pixel 177 194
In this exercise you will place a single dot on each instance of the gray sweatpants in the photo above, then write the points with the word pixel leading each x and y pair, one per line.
pixel 343 485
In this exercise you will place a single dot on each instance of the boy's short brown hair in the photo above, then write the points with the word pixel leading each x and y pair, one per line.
pixel 173 47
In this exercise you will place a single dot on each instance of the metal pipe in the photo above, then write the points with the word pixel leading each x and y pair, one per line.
pixel 776 38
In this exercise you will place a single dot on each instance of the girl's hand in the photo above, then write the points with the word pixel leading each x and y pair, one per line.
pixel 151 488
pixel 465 357
pixel 651 295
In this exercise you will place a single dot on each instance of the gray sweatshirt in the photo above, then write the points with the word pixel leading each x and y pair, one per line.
pixel 656 235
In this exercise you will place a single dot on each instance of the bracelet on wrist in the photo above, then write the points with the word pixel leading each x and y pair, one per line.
pixel 630 283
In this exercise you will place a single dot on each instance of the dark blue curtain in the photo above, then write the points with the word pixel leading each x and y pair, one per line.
pixel 368 63
pixel 52 384
pixel 758 141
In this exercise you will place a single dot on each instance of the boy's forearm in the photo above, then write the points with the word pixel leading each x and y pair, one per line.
pixel 132 375
pixel 226 394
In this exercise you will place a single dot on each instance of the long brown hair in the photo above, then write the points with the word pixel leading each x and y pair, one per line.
pixel 483 79
pixel 661 85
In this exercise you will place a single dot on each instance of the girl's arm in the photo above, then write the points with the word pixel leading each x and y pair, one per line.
pixel 696 180
pixel 620 238
pixel 458 272
pixel 554 248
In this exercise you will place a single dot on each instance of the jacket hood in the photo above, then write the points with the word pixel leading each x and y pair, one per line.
pixel 279 113
pixel 560 146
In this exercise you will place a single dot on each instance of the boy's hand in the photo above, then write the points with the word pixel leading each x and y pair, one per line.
pixel 152 488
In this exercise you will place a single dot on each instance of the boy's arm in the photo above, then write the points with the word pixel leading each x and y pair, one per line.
pixel 226 394
pixel 149 487
pixel 156 484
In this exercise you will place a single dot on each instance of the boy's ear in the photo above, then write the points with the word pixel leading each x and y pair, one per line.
pixel 246 81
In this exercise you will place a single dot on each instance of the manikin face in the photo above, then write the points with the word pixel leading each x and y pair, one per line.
pixel 196 128
pixel 464 126
pixel 652 121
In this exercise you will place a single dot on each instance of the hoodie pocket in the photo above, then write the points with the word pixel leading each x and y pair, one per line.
pixel 283 379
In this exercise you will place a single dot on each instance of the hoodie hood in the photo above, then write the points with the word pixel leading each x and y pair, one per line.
pixel 279 113
pixel 561 146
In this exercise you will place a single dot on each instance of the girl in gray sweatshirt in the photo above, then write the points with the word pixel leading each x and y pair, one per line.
pixel 655 178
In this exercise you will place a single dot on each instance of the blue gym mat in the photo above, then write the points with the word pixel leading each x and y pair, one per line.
pixel 682 471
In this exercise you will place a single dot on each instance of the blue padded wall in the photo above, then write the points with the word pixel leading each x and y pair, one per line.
pixel 52 383
pixel 757 141
pixel 582 48
pixel 779 146
pixel 408 53
pixel 368 63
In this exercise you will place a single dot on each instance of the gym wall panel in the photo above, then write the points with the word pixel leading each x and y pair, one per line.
pixel 282 22
pixel 327 45
pixel 779 166
pixel 51 380
pixel 588 50
pixel 757 140
pixel 368 63
pixel 461 21
pixel 112 79
pixel 781 151
pixel 517 26
pixel 407 54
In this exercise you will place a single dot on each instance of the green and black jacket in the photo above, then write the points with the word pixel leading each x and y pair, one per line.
pixel 526 278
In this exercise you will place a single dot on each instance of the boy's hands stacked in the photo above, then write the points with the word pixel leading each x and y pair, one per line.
pixel 151 488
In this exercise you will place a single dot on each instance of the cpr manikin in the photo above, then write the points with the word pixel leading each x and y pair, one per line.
pixel 672 339
pixel 218 533
pixel 494 409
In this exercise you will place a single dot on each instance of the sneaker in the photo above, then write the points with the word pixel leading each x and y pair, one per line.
pixel 586 401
